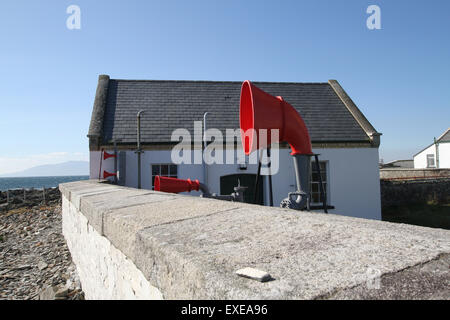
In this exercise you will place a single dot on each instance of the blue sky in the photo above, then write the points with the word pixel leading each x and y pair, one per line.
pixel 398 76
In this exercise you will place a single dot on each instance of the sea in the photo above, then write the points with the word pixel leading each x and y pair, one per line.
pixel 36 182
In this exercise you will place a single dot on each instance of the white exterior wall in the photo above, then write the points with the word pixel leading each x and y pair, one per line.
pixel 354 181
pixel 444 155
pixel 420 160
pixel 94 164
pixel 352 176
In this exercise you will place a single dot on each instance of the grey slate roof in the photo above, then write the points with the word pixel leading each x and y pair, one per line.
pixel 445 137
pixel 170 105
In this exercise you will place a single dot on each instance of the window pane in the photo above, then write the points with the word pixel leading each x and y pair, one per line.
pixel 164 170
pixel 315 197
pixel 155 169
pixel 430 160
pixel 322 166
pixel 153 181
pixel 173 170
pixel 315 185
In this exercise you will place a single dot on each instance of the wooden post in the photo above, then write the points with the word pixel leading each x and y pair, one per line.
pixel 24 197
pixel 7 196
pixel 43 194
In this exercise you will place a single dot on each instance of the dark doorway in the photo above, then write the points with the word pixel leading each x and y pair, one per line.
pixel 227 184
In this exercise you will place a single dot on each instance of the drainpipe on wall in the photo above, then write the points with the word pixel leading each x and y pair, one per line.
pixel 115 161
pixel 205 167
pixel 436 145
pixel 139 150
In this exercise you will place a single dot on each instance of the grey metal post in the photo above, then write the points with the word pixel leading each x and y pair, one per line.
pixel 258 176
pixel 302 166
pixel 139 151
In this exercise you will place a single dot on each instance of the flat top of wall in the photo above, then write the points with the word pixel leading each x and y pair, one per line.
pixel 190 248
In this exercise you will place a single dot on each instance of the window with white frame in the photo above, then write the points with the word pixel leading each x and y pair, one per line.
pixel 164 170
pixel 316 196
pixel 430 161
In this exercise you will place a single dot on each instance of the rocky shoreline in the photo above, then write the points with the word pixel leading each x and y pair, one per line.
pixel 35 262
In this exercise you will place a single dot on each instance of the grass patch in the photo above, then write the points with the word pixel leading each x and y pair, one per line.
pixel 426 215
pixel 16 211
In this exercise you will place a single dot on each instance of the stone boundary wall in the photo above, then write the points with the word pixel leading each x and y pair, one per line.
pixel 141 244
pixel 413 174
pixel 401 192
pixel 105 270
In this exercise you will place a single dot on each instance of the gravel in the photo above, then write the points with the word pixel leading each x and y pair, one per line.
pixel 34 260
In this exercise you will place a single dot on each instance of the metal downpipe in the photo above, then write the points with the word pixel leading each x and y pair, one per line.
pixel 301 198
pixel 139 150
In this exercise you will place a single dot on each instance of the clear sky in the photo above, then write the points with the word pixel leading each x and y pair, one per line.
pixel 399 76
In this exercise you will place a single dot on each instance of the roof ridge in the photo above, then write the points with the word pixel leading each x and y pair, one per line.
pixel 216 81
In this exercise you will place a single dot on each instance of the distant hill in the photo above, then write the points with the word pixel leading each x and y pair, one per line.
pixel 70 168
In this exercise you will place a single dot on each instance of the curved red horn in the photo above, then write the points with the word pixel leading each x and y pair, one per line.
pixel 107 174
pixel 107 155
pixel 260 110
pixel 174 185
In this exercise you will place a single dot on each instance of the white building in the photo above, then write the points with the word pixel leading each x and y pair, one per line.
pixel 346 141
pixel 436 155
